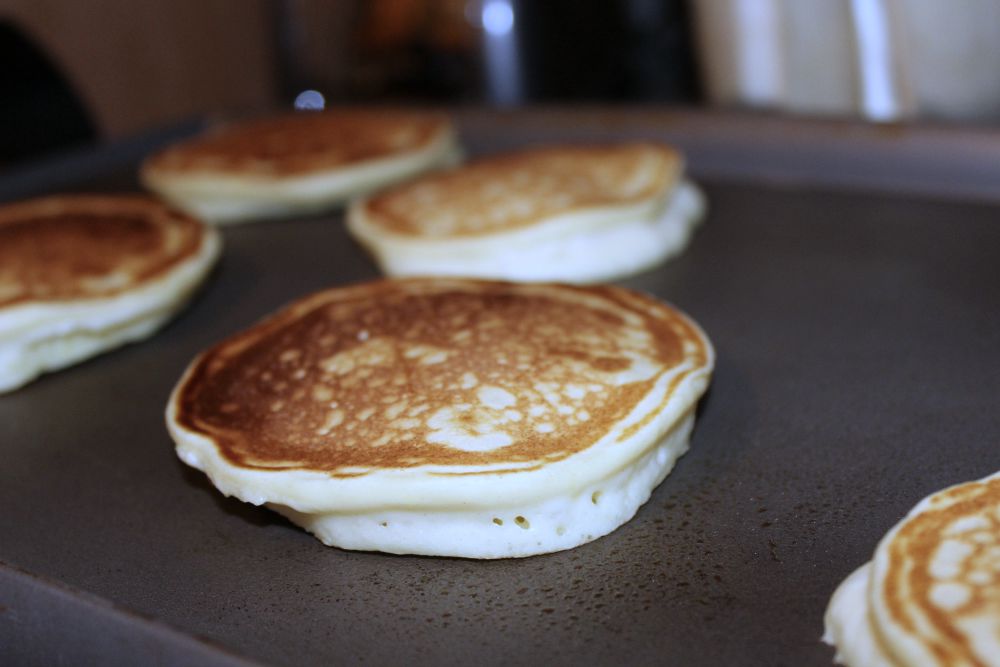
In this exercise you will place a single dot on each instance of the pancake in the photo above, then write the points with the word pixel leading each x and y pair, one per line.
pixel 82 274
pixel 448 417
pixel 562 213
pixel 297 163
pixel 931 594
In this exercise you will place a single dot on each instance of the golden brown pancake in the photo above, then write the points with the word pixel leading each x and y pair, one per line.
pixel 515 190
pixel 84 247
pixel 931 595
pixel 82 273
pixel 299 143
pixel 297 162
pixel 567 213
pixel 399 394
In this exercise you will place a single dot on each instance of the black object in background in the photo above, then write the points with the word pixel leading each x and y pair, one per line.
pixel 40 112
pixel 594 50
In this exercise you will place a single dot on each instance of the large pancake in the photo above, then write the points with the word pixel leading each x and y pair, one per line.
pixel 460 408
pixel 80 274
pixel 931 595
pixel 569 213
pixel 297 162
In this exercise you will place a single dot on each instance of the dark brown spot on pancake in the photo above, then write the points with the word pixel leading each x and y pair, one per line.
pixel 607 364
pixel 610 364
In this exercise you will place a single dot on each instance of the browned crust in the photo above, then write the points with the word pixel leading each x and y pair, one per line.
pixel 518 189
pixel 262 397
pixel 296 144
pixel 60 248
pixel 910 553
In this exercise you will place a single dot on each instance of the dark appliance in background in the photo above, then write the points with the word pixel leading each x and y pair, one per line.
pixel 500 52
pixel 494 52
pixel 40 112
pixel 591 50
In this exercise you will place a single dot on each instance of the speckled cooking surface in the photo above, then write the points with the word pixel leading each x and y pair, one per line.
pixel 858 337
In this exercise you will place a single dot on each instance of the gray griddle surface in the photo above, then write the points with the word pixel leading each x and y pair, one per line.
pixel 858 341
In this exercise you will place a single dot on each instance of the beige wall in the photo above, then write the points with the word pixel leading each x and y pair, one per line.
pixel 138 64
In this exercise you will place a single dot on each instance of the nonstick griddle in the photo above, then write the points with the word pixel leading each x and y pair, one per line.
pixel 849 277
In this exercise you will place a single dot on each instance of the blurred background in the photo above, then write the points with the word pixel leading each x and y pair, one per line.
pixel 73 73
